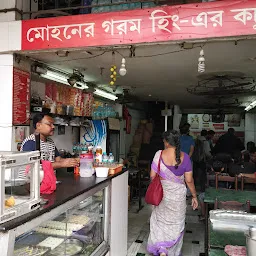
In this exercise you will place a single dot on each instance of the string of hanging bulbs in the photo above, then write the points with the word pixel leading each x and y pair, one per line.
pixel 123 70
pixel 113 70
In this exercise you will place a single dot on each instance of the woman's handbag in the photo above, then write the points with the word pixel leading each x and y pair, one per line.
pixel 154 193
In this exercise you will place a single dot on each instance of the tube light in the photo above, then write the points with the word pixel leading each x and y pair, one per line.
pixel 55 77
pixel 105 94
pixel 60 78
pixel 251 106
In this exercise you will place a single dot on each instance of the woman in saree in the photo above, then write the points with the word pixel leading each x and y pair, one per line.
pixel 167 220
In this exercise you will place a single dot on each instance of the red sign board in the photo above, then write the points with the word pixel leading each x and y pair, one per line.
pixel 181 22
pixel 21 97
pixel 218 126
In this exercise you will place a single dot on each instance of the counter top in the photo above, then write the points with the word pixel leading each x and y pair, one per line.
pixel 70 187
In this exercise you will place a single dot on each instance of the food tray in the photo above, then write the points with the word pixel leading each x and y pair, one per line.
pixel 70 247
pixel 115 169
pixel 54 232
pixel 16 182
pixel 232 220
pixel 31 251
pixel 61 225
pixel 51 242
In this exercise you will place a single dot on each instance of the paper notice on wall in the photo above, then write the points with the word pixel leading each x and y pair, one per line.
pixel 206 125
pixel 234 120
pixel 194 122
pixel 19 134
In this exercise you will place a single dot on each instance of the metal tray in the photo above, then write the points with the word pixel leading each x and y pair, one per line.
pixel 31 250
pixel 16 182
pixel 232 220
pixel 63 249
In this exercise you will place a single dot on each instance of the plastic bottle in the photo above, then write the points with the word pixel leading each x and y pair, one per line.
pixel 98 156
pixel 111 158
pixel 105 158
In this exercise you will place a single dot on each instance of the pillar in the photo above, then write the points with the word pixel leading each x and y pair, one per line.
pixel 6 97
pixel 176 117
pixel 22 5
pixel 10 41
pixel 250 127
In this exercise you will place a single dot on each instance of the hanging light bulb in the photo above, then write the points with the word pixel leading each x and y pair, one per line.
pixel 122 70
pixel 201 62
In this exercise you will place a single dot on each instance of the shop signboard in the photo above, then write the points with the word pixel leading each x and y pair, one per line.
pixel 158 24
pixel 218 126
pixel 21 97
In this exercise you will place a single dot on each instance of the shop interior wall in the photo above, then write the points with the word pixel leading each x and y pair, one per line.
pixel 198 124
pixel 250 127
pixel 71 135
pixel 137 116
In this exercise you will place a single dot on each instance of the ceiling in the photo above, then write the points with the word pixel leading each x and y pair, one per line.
pixel 157 71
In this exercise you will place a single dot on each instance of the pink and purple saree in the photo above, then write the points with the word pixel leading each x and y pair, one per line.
pixel 167 220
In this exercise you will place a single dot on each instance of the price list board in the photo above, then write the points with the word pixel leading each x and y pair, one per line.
pixel 21 97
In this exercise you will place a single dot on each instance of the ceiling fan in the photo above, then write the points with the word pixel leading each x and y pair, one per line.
pixel 220 103
pixel 228 83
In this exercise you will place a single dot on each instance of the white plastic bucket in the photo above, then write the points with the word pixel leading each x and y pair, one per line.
pixel 251 241
pixel 102 172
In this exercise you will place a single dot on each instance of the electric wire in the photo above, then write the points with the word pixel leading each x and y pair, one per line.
pixel 141 56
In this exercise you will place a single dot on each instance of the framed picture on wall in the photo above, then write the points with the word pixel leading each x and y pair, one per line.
pixel 234 120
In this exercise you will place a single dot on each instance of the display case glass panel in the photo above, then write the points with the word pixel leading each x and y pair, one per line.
pixel 18 194
pixel 77 231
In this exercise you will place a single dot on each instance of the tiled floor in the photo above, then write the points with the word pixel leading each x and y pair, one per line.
pixel 138 231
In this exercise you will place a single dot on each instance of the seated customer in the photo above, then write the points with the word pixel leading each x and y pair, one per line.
pixel 253 156
pixel 250 146
pixel 239 166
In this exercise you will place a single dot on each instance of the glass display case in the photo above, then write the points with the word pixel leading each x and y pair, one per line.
pixel 80 230
pixel 13 167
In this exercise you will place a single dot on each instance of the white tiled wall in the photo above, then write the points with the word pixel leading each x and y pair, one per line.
pixel 10 39
pixel 6 78
pixel 250 127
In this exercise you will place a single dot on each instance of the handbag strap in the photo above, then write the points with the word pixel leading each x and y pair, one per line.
pixel 159 162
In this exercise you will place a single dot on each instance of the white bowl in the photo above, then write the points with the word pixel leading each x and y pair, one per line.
pixel 102 172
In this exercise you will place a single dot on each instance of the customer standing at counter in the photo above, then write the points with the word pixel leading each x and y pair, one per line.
pixel 44 125
pixel 187 143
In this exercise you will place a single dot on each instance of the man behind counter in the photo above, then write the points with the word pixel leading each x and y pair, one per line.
pixel 44 125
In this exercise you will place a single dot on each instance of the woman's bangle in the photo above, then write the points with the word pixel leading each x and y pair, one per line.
pixel 194 196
